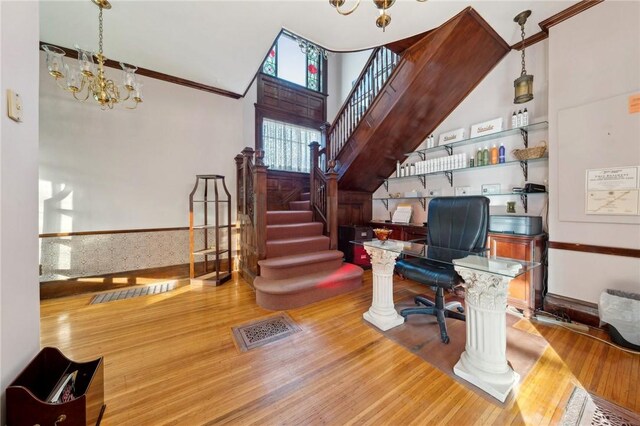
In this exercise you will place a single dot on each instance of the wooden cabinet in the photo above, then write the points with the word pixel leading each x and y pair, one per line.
pixel 27 395
pixel 525 291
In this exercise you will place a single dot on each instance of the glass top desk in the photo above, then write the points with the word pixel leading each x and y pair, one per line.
pixel 486 279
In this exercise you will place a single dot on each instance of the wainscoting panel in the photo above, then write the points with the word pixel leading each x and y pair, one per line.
pixel 77 256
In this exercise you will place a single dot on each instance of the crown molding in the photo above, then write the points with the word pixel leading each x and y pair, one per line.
pixel 160 76
pixel 561 16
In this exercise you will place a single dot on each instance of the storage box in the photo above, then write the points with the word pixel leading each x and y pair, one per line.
pixel 514 224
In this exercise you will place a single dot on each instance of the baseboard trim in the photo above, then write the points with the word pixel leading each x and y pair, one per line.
pixel 82 285
pixel 578 310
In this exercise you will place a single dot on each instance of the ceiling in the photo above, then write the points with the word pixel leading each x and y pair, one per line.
pixel 222 43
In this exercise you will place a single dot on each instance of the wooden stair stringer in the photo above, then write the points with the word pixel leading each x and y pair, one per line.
pixel 433 77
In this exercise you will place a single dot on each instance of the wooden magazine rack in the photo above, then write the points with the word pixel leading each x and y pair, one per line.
pixel 27 394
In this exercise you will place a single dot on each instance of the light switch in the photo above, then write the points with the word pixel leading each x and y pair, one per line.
pixel 14 106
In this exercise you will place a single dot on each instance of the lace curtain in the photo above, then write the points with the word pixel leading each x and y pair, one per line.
pixel 286 146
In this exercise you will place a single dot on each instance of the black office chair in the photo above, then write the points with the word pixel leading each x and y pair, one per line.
pixel 460 223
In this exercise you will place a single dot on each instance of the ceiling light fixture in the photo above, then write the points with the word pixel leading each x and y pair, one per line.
pixel 382 21
pixel 105 92
pixel 523 85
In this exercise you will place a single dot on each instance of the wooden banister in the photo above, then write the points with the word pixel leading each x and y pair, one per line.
pixel 323 188
pixel 372 78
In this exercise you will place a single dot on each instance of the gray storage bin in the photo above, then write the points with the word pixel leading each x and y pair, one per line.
pixel 621 311
pixel 516 224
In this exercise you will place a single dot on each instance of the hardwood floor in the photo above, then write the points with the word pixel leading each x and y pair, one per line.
pixel 170 359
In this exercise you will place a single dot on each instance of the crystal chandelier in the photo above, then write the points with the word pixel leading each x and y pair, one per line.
pixel 85 77
pixel 382 5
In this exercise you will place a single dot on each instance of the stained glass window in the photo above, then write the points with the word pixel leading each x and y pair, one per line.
pixel 289 61
pixel 313 71
pixel 270 66
pixel 286 145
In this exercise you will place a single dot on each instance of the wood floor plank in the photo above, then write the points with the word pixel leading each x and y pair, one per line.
pixel 170 359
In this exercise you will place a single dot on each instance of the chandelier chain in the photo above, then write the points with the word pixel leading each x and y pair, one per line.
pixel 522 33
pixel 100 32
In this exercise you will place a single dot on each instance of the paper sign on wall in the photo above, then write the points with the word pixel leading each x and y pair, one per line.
pixel 614 191
pixel 634 103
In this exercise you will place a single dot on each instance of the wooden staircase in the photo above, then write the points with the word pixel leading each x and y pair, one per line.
pixel 300 268
pixel 433 75
pixel 404 92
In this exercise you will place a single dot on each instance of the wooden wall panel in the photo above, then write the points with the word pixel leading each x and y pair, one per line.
pixel 283 187
pixel 354 208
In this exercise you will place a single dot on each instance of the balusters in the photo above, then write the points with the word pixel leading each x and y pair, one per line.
pixel 367 88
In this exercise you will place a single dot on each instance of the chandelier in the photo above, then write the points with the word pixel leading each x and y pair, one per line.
pixel 523 85
pixel 382 5
pixel 85 77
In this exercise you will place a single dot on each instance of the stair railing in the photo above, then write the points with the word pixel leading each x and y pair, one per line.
pixel 251 211
pixel 374 75
pixel 323 194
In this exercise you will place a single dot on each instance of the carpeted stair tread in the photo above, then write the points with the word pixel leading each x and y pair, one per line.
pixel 285 247
pixel 299 205
pixel 284 231
pixel 305 196
pixel 296 284
pixel 286 217
pixel 297 265
pixel 298 259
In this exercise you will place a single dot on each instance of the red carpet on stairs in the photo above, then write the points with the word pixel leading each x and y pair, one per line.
pixel 300 268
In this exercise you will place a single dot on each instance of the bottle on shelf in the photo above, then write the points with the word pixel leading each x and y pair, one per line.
pixel 479 157
pixel 525 118
pixel 494 154
pixel 412 170
pixel 514 120
pixel 485 156
pixel 397 168
pixel 519 118
pixel 501 154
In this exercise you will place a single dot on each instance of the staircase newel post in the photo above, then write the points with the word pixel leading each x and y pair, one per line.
pixel 326 143
pixel 260 200
pixel 332 205
pixel 240 185
pixel 247 155
pixel 315 147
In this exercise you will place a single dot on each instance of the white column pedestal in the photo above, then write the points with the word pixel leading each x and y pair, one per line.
pixel 382 312
pixel 484 361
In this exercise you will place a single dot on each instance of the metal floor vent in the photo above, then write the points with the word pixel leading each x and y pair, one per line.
pixel 133 292
pixel 257 333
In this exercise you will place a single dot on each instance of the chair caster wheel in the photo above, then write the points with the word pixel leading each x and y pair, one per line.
pixel 460 309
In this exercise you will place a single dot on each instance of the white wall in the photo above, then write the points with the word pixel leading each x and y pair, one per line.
pixel 350 67
pixel 334 99
pixel 131 169
pixel 592 56
pixel 249 115
pixel 19 292
pixel 492 98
